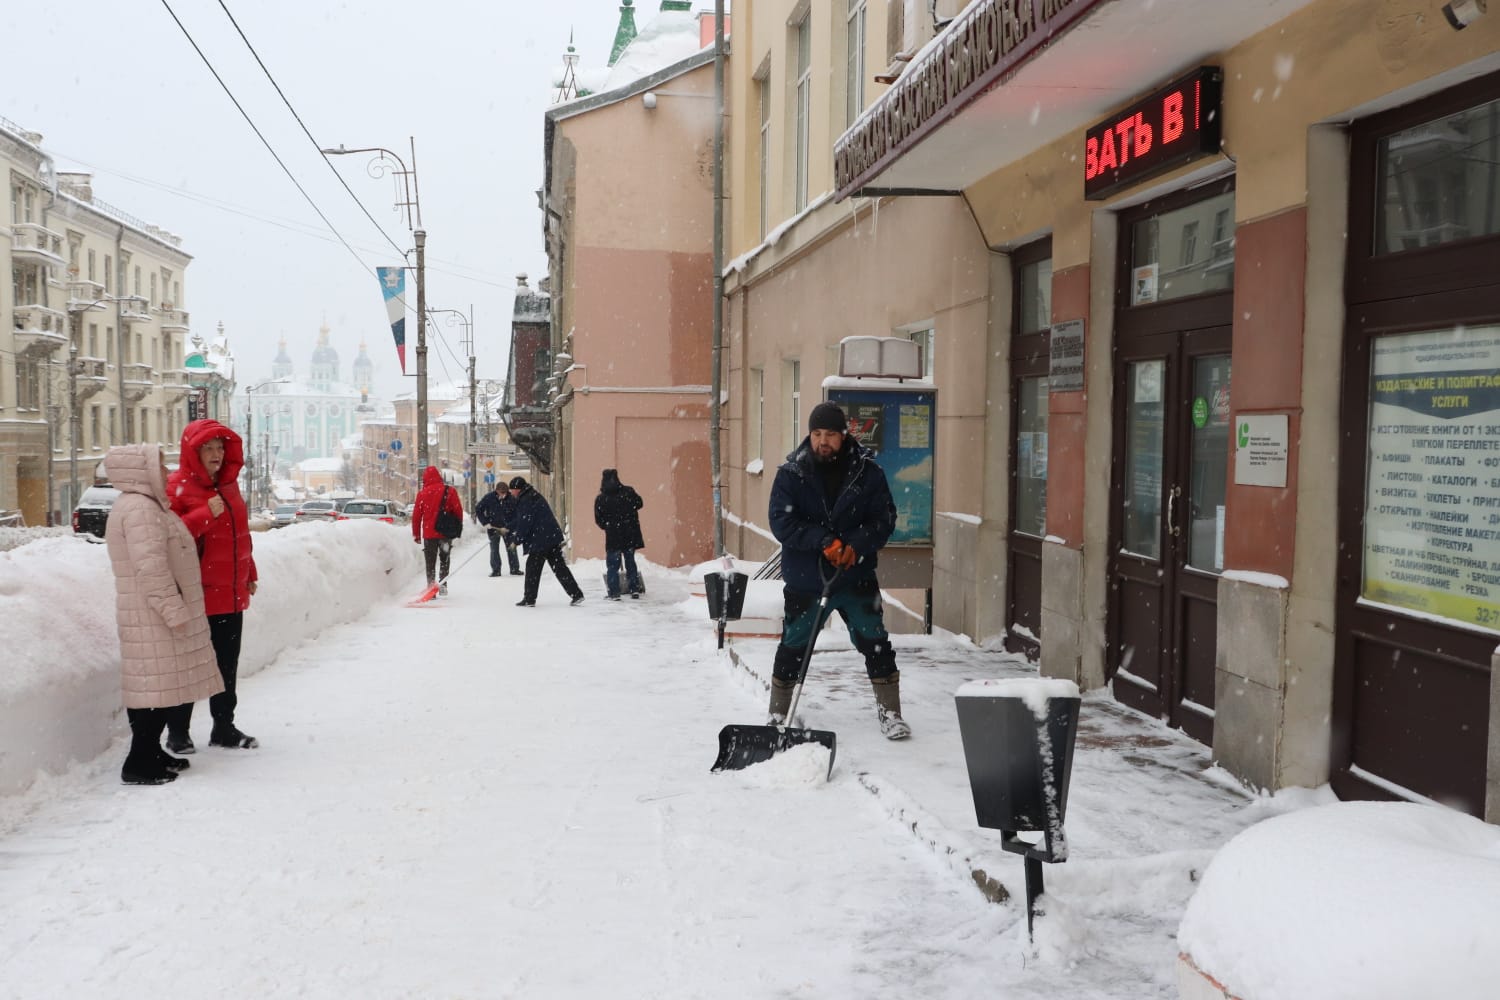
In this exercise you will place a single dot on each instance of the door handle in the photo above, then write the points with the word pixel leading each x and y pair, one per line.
pixel 1172 528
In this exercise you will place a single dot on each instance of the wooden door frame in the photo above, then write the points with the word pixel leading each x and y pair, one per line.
pixel 1030 357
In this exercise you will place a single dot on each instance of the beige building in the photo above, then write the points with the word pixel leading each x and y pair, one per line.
pixel 1099 218
pixel 94 334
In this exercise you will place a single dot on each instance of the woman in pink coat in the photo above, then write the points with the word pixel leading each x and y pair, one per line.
pixel 166 659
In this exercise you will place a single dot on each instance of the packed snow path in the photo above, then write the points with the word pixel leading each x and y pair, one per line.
pixel 479 800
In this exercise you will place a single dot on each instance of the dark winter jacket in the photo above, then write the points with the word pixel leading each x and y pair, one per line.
pixel 224 541
pixel 615 511
pixel 490 510
pixel 534 525
pixel 424 511
pixel 863 515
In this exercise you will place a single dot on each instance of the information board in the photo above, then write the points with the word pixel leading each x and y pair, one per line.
pixel 899 427
pixel 1432 495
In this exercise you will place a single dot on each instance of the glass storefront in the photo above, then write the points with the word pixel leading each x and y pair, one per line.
pixel 1439 181
pixel 1143 458
pixel 1031 456
pixel 1187 251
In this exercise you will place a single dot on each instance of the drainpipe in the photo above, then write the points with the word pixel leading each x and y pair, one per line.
pixel 119 432
pixel 715 406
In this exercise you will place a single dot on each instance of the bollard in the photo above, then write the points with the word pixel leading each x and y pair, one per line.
pixel 726 597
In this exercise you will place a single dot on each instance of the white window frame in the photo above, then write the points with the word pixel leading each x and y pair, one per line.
pixel 924 335
pixel 793 375
pixel 803 112
pixel 854 81
pixel 755 419
pixel 763 91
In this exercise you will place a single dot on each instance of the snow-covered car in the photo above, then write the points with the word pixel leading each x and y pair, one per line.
pixel 92 512
pixel 284 515
pixel 317 510
pixel 368 510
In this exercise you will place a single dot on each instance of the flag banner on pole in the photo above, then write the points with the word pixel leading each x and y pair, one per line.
pixel 393 286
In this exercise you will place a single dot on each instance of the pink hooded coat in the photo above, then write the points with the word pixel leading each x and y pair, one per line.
pixel 166 658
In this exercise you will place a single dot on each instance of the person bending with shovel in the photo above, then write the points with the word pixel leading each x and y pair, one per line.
pixel 831 510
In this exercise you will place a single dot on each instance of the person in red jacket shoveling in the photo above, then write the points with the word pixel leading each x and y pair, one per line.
pixel 436 498
pixel 205 493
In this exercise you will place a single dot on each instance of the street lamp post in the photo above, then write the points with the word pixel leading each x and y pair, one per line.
pixel 468 345
pixel 412 202
pixel 75 368
pixel 250 428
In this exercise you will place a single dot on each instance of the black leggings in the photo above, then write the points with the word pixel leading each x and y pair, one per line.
pixel 224 632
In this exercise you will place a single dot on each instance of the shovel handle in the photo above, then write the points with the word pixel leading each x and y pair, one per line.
pixel 812 640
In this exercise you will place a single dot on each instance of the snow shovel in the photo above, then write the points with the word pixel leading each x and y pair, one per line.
pixel 433 588
pixel 742 746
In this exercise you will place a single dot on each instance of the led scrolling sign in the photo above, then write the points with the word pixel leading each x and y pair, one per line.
pixel 1178 123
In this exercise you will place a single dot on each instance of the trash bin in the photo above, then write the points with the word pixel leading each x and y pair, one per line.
pixel 717 588
pixel 1018 738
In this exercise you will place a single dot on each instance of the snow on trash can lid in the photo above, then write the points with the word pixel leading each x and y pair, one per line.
pixel 1036 692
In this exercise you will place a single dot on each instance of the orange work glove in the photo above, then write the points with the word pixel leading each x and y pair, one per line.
pixel 847 558
pixel 834 551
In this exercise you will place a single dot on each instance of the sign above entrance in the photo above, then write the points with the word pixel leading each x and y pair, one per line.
pixel 1260 449
pixel 1173 126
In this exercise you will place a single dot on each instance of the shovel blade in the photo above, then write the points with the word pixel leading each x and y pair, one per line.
pixel 742 746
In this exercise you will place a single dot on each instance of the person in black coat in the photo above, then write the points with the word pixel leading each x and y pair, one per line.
pixel 491 512
pixel 832 511
pixel 616 510
pixel 534 526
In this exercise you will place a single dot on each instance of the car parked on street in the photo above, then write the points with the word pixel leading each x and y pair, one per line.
pixel 368 510
pixel 284 515
pixel 92 512
pixel 317 510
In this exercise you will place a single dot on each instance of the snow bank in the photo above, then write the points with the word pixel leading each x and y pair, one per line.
pixel 60 687
pixel 1353 900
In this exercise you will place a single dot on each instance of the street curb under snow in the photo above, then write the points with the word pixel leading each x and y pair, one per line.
pixel 901 808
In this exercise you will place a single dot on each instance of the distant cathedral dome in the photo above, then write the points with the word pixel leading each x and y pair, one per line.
pixel 324 353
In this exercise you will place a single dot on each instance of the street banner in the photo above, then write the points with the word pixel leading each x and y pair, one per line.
pixel 393 286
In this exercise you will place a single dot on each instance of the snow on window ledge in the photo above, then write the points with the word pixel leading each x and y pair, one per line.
pixel 755 467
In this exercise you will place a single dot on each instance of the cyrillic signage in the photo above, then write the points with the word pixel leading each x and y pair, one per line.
pixel 1176 124
pixel 990 39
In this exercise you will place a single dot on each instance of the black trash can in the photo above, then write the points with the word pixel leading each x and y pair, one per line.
pixel 1018 743
pixel 716 586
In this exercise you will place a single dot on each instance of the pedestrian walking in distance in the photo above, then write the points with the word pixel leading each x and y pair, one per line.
pixel 617 512
pixel 205 493
pixel 831 510
pixel 166 654
pixel 491 512
pixel 535 527
pixel 435 500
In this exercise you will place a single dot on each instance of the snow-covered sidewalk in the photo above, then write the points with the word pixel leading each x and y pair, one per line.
pixel 478 800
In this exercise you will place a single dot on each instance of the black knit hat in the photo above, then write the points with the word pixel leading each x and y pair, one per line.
pixel 518 483
pixel 827 417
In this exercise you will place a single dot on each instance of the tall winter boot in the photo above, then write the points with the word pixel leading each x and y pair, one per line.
pixel 888 706
pixel 781 701
pixel 143 765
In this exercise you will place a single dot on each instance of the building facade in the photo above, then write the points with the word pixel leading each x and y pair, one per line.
pixel 93 333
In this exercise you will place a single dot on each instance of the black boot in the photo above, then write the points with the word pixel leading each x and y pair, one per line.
pixel 226 735
pixel 142 766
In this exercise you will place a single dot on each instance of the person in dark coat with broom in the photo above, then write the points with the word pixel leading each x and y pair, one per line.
pixel 617 512
pixel 535 527
pixel 831 510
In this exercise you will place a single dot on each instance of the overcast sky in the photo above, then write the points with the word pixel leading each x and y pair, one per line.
pixel 116 89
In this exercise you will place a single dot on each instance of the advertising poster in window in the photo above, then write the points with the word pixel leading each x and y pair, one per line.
pixel 898 426
pixel 1432 497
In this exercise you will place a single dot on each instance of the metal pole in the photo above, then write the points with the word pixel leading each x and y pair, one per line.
pixel 715 406
pixel 472 459
pixel 73 415
pixel 421 237
pixel 250 437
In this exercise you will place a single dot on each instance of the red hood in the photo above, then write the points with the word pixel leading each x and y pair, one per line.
pixel 431 476
pixel 198 433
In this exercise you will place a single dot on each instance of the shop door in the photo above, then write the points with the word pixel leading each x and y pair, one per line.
pixel 1171 465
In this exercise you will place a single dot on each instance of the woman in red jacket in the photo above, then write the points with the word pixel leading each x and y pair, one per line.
pixel 205 493
pixel 435 495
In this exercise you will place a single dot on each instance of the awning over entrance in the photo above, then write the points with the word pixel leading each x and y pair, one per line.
pixel 1006 77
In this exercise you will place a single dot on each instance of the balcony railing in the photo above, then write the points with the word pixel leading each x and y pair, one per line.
pixel 176 380
pixel 39 330
pixel 36 243
pixel 93 377
pixel 135 309
pixel 83 293
pixel 173 319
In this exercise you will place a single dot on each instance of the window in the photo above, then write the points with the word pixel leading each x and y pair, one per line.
pixel 153 290
pixel 763 93
pixel 1189 243
pixel 794 432
pixel 91 265
pixel 924 339
pixel 93 350
pixel 1036 296
pixel 136 286
pixel 109 275
pixel 109 347
pixel 804 106
pixel 112 435
pixel 755 417
pixel 854 82
pixel 28 384
pixel 541 370
pixel 129 425
pixel 1427 175
pixel 94 426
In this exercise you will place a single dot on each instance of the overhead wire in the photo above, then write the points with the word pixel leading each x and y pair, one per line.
pixel 264 141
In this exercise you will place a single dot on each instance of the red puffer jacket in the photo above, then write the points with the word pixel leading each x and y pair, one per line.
pixel 224 541
pixel 424 511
